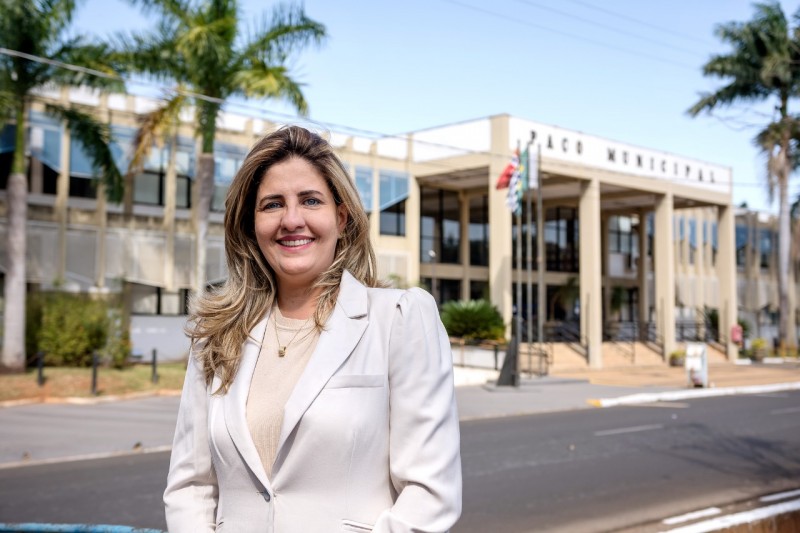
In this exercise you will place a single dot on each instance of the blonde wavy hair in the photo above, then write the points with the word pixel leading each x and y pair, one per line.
pixel 221 319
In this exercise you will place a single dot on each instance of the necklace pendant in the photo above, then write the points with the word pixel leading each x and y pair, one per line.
pixel 281 351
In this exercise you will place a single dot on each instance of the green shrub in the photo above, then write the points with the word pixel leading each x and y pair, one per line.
pixel 473 320
pixel 677 358
pixel 73 326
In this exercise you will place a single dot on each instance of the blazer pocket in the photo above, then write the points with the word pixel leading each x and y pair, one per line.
pixel 355 380
pixel 356 527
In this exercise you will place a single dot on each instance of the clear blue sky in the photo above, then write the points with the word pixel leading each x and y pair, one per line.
pixel 622 69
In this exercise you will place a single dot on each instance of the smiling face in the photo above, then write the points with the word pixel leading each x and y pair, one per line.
pixel 297 222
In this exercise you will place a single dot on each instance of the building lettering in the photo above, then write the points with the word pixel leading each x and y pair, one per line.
pixel 616 156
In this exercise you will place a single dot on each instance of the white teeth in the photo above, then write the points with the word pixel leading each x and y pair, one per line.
pixel 300 242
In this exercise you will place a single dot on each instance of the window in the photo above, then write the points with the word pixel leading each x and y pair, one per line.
pixel 765 248
pixel 692 240
pixel 741 245
pixel 440 229
pixel 478 290
pixel 620 235
pixel 393 194
pixel 227 160
pixel 149 185
pixel 561 239
pixel 393 219
pixel 713 243
pixel 150 300
pixel 479 231
pixel 82 174
pixel 364 186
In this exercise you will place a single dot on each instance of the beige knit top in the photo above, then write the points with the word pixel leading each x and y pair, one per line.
pixel 274 379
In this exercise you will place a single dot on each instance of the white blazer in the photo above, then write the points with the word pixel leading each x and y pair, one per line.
pixel 369 441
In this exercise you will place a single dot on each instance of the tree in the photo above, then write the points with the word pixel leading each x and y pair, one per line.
pixel 764 66
pixel 31 29
pixel 203 47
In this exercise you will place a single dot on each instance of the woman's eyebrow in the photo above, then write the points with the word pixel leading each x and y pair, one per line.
pixel 270 197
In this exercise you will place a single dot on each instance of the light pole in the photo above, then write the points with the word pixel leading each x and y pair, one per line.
pixel 432 255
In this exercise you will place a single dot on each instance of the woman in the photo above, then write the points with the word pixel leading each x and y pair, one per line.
pixel 313 401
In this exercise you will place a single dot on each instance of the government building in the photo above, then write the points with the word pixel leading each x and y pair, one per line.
pixel 642 249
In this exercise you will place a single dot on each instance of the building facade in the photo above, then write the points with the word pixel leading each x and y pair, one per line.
pixel 647 240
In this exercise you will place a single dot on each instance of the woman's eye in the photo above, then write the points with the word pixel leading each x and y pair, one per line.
pixel 312 201
pixel 270 205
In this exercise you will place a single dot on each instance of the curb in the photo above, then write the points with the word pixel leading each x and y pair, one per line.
pixel 88 400
pixel 86 457
pixel 669 396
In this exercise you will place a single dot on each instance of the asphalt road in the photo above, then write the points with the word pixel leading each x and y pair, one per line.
pixel 590 470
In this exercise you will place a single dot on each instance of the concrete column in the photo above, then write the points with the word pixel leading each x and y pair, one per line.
pixel 37 175
pixel 413 210
pixel 664 272
pixel 699 268
pixel 590 278
pixel 463 249
pixel 412 216
pixel 641 277
pixel 726 273
pixel 604 265
pixel 500 222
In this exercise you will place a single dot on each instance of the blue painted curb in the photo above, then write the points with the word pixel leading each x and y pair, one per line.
pixel 72 528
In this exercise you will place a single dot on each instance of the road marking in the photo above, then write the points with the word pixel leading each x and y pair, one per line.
pixel 694 515
pixel 632 429
pixel 779 496
pixel 746 517
pixel 673 405
pixel 785 411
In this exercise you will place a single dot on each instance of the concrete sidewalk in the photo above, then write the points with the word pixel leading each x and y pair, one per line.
pixel 38 433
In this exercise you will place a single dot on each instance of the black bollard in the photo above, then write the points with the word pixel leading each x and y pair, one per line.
pixel 495 356
pixel 40 368
pixel 155 367
pixel 94 373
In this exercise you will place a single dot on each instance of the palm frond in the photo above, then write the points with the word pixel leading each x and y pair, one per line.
pixel 6 106
pixel 150 52
pixel 95 137
pixel 285 31
pixel 270 82
pixel 154 127
pixel 95 56
pixel 762 62
pixel 176 9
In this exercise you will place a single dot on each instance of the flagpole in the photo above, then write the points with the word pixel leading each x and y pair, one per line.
pixel 529 259
pixel 518 212
pixel 540 260
pixel 519 296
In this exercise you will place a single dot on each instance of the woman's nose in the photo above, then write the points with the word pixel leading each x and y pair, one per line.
pixel 292 218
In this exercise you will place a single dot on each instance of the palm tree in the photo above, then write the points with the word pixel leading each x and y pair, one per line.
pixel 30 29
pixel 203 46
pixel 764 66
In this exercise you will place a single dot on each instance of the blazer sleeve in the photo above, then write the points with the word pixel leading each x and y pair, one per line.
pixel 424 442
pixel 190 499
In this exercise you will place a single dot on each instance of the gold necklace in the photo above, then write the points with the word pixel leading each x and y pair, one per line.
pixel 282 349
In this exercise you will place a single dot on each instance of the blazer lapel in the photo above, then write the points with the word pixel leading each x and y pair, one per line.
pixel 235 404
pixel 342 332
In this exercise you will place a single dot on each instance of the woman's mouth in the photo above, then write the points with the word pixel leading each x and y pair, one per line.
pixel 293 243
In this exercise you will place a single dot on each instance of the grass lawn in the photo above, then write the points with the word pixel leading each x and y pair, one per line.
pixel 74 382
